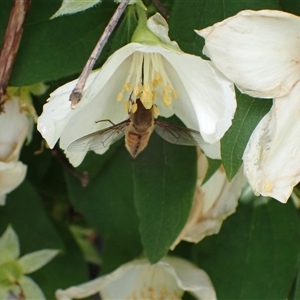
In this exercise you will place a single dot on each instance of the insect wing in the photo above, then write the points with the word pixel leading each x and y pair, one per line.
pixel 99 139
pixel 178 135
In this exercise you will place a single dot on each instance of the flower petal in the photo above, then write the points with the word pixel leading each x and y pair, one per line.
pixel 35 260
pixel 57 112
pixel 4 294
pixel 159 27
pixel 12 175
pixel 93 286
pixel 31 289
pixel 204 95
pixel 192 279
pixel 257 50
pixel 13 130
pixel 9 245
pixel 271 158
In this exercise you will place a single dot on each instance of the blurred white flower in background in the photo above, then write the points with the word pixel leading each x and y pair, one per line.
pixel 16 124
pixel 213 202
pixel 13 281
pixel 260 52
pixel 138 279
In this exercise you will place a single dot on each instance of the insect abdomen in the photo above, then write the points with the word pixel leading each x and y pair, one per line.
pixel 136 142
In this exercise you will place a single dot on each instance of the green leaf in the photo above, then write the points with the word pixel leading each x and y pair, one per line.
pixel 164 177
pixel 52 49
pixel 114 255
pixel 256 253
pixel 248 114
pixel 297 286
pixel 9 245
pixel 107 201
pixel 213 166
pixel 74 6
pixel 291 6
pixel 186 16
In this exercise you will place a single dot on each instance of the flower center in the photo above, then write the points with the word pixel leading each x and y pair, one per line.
pixel 147 80
pixel 155 293
pixel 154 282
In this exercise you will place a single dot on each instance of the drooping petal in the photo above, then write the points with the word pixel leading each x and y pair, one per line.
pixel 12 175
pixel 13 130
pixel 192 279
pixel 272 156
pixel 257 50
pixel 35 260
pixel 225 195
pixel 213 202
pixel 9 245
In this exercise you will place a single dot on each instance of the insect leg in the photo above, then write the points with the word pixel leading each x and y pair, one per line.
pixel 106 120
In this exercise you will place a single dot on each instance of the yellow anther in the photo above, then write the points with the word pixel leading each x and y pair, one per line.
pixel 120 97
pixel 127 86
pixel 147 104
pixel 167 99
pixel 268 187
pixel 134 108
pixel 168 89
pixel 175 94
pixel 154 83
pixel 126 106
pixel 163 292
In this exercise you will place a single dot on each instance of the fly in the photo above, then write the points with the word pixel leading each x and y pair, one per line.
pixel 137 130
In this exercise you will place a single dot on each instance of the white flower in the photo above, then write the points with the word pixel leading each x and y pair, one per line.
pixel 213 202
pixel 272 156
pixel 12 175
pixel 13 131
pixel 167 279
pixel 260 52
pixel 16 124
pixel 157 71
pixel 12 268
pixel 257 50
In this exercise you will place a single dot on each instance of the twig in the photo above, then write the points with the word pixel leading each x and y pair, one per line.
pixel 76 94
pixel 161 9
pixel 82 177
pixel 11 43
